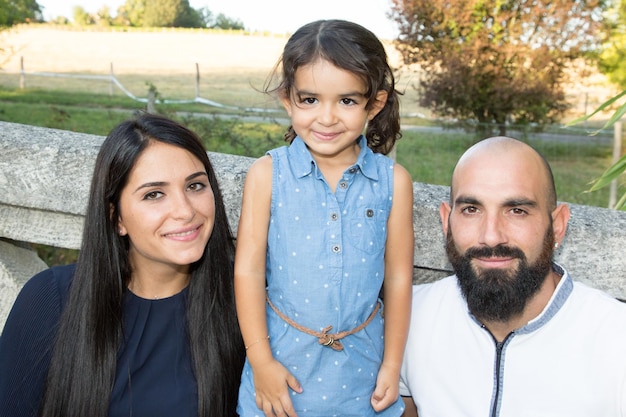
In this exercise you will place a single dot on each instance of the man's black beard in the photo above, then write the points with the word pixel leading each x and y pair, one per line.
pixel 499 294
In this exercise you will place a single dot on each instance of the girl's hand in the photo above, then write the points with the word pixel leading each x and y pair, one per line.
pixel 272 382
pixel 387 387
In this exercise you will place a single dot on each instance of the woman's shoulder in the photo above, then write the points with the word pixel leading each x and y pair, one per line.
pixel 53 281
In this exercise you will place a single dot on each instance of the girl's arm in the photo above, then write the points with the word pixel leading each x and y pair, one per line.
pixel 271 379
pixel 397 288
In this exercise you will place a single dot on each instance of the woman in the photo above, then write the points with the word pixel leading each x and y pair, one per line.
pixel 144 323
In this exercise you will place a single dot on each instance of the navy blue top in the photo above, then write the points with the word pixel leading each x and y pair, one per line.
pixel 154 372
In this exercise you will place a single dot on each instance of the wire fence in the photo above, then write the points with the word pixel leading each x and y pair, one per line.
pixel 151 99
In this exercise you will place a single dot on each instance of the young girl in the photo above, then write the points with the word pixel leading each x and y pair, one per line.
pixel 325 224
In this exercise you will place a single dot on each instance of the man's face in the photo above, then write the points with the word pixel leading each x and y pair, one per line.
pixel 499 230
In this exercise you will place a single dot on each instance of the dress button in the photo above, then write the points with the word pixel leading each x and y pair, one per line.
pixel 334 216
pixel 369 213
pixel 352 170
pixel 343 184
pixel 336 248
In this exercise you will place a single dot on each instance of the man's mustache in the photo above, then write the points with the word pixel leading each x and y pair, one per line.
pixel 498 251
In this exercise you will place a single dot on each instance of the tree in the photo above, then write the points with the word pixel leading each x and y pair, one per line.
pixel 82 17
pixel 224 22
pixel 19 11
pixel 612 60
pixel 496 61
pixel 161 13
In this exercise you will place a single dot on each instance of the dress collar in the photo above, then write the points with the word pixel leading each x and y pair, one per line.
pixel 303 164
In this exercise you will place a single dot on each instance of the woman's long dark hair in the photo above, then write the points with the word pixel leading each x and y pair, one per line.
pixel 83 365
pixel 351 47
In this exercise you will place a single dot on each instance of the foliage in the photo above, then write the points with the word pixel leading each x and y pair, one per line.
pixel 612 59
pixel 618 169
pixel 224 22
pixel 13 12
pixel 495 61
pixel 154 13
pixel 82 17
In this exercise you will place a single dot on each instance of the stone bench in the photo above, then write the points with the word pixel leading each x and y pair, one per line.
pixel 44 182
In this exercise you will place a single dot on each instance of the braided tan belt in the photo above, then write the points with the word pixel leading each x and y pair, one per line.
pixel 323 338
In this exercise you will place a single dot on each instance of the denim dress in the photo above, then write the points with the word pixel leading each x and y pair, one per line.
pixel 325 267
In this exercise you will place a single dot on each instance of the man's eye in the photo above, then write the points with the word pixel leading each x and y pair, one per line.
pixel 518 211
pixel 469 210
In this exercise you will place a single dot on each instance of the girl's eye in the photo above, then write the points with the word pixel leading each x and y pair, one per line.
pixel 152 195
pixel 309 100
pixel 348 101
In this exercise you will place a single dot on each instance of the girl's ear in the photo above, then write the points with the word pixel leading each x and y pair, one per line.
pixel 378 104
pixel 286 100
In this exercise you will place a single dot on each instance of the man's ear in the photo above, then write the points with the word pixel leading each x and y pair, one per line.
pixel 444 213
pixel 378 104
pixel 560 219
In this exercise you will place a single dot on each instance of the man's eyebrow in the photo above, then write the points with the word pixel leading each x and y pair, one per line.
pixel 517 202
pixel 512 202
pixel 466 200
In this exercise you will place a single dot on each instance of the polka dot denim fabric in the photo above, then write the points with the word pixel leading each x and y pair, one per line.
pixel 325 267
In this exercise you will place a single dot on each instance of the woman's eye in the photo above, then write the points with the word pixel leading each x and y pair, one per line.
pixel 197 186
pixel 152 195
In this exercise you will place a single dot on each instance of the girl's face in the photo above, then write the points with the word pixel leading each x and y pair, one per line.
pixel 167 209
pixel 327 109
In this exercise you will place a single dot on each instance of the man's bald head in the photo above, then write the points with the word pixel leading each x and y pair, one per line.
pixel 508 152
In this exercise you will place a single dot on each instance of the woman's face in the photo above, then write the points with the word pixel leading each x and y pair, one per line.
pixel 167 209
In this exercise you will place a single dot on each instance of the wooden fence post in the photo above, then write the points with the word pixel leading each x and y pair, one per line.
pixel 22 74
pixel 111 81
pixel 197 80
pixel 151 98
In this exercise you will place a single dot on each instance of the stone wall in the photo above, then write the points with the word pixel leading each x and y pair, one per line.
pixel 45 176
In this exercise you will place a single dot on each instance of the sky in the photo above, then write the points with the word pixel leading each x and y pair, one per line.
pixel 278 16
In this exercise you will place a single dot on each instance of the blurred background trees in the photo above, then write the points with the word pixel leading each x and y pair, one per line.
pixel 13 12
pixel 497 62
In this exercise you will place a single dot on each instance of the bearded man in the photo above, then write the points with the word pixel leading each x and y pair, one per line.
pixel 511 333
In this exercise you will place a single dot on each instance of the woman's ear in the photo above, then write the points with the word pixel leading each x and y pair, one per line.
pixel 121 230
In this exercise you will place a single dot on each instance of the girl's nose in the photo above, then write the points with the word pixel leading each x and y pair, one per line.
pixel 327 115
